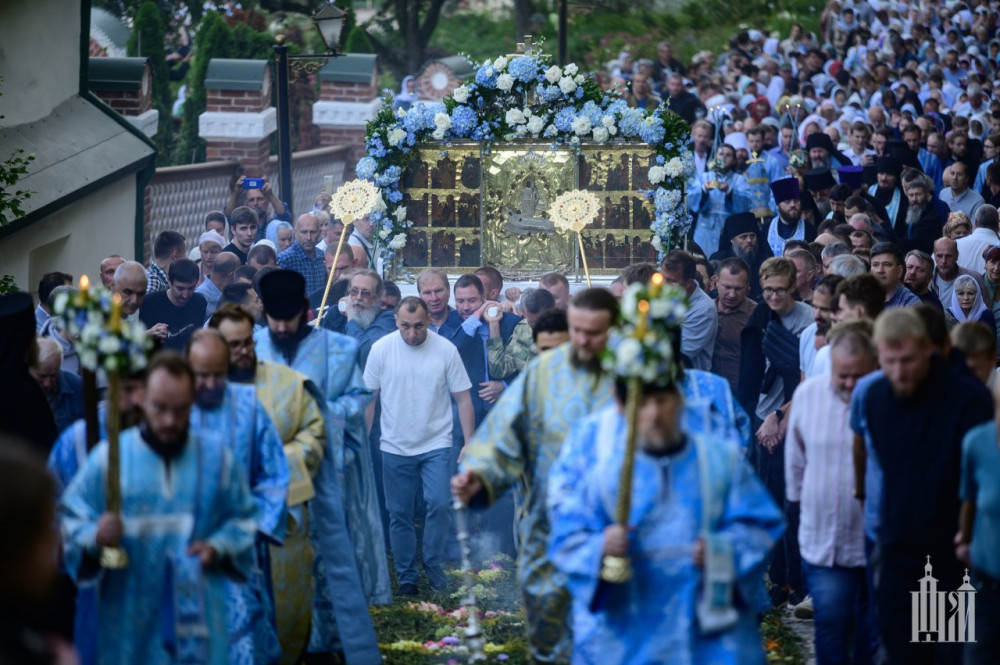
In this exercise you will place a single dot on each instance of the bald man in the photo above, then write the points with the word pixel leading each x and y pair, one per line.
pixel 130 281
pixel 108 267
pixel 947 270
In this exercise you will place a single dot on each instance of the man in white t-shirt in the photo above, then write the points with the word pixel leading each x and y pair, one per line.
pixel 416 373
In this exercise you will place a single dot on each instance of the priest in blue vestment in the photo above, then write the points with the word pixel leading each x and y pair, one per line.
pixel 232 413
pixel 698 535
pixel 187 524
pixel 345 520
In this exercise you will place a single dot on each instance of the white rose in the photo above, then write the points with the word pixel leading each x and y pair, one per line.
pixel 505 82
pixel 553 74
pixel 551 131
pixel 398 241
pixel 515 117
pixel 612 130
pixel 571 69
pixel 500 64
pixel 579 79
pixel 581 125
pixel 461 94
pixel 567 85
pixel 535 125
pixel 442 121
pixel 601 134
pixel 396 136
pixel 657 243
pixel 658 307
pixel 384 232
pixel 656 175
pixel 438 135
pixel 400 213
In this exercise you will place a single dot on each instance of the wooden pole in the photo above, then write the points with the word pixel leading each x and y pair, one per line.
pixel 618 569
pixel 583 257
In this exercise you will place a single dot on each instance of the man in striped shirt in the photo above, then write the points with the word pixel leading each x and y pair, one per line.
pixel 819 474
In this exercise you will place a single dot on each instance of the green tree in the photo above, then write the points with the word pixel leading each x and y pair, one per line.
pixel 406 28
pixel 147 41
pixel 213 41
pixel 358 41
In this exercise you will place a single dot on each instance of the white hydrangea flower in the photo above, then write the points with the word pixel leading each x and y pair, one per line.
pixel 612 130
pixel 571 69
pixel 535 125
pixel 461 94
pixel 438 135
pixel 515 117
pixel 657 243
pixel 567 85
pixel 581 125
pixel 442 121
pixel 601 134
pixel 398 241
pixel 396 136
pixel 500 64
pixel 629 352
pixel 505 82
pixel 550 131
pixel 553 74
pixel 656 175
pixel 674 168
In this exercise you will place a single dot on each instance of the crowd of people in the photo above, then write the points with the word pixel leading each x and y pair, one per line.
pixel 840 293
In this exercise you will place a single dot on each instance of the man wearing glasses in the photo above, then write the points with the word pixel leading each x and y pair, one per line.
pixel 367 322
pixel 769 373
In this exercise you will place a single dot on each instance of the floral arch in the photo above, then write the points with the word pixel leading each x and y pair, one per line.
pixel 524 98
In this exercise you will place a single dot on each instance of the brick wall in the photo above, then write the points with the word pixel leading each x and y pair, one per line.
pixel 251 156
pixel 237 101
pixel 348 92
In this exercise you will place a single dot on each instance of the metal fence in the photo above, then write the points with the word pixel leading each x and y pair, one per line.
pixel 180 196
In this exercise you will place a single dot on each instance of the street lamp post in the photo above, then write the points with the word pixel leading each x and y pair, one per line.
pixel 329 21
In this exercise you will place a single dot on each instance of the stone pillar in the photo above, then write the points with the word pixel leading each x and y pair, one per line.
pixel 239 118
pixel 348 100
pixel 126 85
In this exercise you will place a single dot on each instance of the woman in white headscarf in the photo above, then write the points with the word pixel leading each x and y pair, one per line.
pixel 407 94
pixel 967 304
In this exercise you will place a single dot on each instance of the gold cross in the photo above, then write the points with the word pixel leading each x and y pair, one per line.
pixel 525 47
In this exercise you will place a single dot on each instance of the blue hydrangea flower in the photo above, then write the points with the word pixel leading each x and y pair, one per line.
pixel 660 159
pixel 549 93
pixel 366 168
pixel 487 76
pixel 593 113
pixel 463 121
pixel 523 69
pixel 652 132
pixel 395 196
pixel 628 124
pixel 564 119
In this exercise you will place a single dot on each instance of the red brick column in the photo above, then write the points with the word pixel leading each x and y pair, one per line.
pixel 126 85
pixel 237 123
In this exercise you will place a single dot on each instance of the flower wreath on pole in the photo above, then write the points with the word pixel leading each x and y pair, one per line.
pixel 524 98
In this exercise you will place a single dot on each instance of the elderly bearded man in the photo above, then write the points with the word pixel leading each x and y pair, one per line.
pixel 294 404
pixel 367 322
pixel 329 360
pixel 742 238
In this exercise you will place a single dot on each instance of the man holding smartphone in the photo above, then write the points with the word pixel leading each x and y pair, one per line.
pixel 260 199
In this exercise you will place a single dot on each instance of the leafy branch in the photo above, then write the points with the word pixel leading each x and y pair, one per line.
pixel 12 170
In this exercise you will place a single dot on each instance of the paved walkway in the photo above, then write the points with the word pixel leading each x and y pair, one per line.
pixel 804 629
